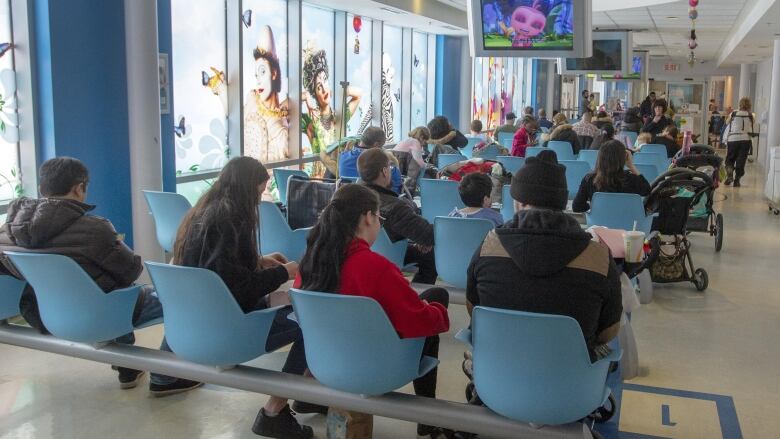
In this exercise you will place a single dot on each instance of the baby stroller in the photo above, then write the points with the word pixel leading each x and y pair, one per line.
pixel 672 197
pixel 703 217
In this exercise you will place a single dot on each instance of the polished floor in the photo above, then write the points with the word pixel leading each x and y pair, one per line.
pixel 722 342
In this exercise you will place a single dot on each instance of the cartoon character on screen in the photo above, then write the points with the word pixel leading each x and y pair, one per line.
pixel 526 23
pixel 265 115
pixel 491 18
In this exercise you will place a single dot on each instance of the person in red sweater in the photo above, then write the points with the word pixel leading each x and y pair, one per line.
pixel 525 137
pixel 339 259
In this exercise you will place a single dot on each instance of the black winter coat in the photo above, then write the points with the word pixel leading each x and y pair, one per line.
pixel 630 184
pixel 402 220
pixel 656 128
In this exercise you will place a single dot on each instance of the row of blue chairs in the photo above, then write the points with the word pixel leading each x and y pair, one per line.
pixel 528 367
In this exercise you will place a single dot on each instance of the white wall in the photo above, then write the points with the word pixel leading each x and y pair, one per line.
pixel 699 72
pixel 761 107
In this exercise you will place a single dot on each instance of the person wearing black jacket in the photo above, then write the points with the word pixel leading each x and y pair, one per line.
pixel 220 234
pixel 646 109
pixel 401 219
pixel 565 133
pixel 631 121
pixel 443 133
pixel 610 176
pixel 656 125
pixel 668 138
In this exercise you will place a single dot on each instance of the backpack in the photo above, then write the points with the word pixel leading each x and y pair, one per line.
pixel 496 171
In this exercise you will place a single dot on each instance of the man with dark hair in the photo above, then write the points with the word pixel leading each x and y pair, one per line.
pixel 542 261
pixel 585 102
pixel 509 126
pixel 475 190
pixel 59 223
pixel 401 217
pixel 372 137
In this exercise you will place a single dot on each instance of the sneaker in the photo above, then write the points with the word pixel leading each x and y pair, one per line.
pixel 129 378
pixel 304 407
pixel 282 426
pixel 179 386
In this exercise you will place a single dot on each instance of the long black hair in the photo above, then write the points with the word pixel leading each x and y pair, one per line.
pixel 609 166
pixel 326 250
pixel 232 199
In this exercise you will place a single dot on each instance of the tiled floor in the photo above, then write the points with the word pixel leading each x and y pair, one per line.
pixel 721 342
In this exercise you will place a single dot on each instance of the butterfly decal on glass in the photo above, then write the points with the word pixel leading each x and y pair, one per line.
pixel 397 95
pixel 180 129
pixel 5 47
pixel 246 18
pixel 416 62
pixel 213 81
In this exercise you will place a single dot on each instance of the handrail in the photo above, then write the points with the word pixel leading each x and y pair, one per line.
pixel 457 416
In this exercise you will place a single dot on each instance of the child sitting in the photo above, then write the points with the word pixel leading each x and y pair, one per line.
pixel 474 190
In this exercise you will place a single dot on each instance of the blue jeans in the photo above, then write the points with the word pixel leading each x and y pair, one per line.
pixel 147 308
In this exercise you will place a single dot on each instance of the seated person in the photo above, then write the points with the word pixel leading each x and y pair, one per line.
pixel 525 137
pixel 509 126
pixel 476 130
pixel 542 261
pixel 220 234
pixel 602 119
pixel 610 175
pixel 543 121
pixel 474 190
pixel 402 219
pixel 631 122
pixel 643 139
pixel 668 138
pixel 339 260
pixel 584 128
pixel 442 133
pixel 565 133
pixel 659 120
pixel 59 222
pixel 372 137
pixel 415 145
pixel 607 134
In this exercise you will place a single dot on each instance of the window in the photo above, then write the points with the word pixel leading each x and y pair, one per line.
pixel 199 84
pixel 392 72
pixel 419 79
pixel 359 45
pixel 10 178
pixel 266 104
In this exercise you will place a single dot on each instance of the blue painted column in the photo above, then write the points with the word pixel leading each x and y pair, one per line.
pixel 167 121
pixel 81 78
pixel 448 77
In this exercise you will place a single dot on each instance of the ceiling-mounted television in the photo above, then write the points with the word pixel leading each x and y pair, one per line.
pixel 530 28
pixel 612 54
pixel 639 67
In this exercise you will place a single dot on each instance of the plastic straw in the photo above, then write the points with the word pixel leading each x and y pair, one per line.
pixel 635 226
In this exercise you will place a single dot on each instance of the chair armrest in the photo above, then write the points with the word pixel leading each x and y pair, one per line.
pixel 464 336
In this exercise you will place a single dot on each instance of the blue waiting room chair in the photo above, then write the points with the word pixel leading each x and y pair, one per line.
pixel 448 159
pixel 71 304
pixel 203 322
pixel 456 240
pixel 563 150
pixel 653 158
pixel 506 139
pixel 438 198
pixel 632 135
pixel 650 172
pixel 589 156
pixel 281 176
pixel 653 148
pixel 352 346
pixel 575 172
pixel 277 236
pixel 489 152
pixel 533 151
pixel 535 368
pixel 507 203
pixel 395 252
pixel 511 164
pixel 11 290
pixel 168 210
pixel 618 211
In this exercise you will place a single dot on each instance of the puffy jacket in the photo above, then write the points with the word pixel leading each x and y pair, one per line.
pixel 402 221
pixel 62 226
pixel 542 261
pixel 565 133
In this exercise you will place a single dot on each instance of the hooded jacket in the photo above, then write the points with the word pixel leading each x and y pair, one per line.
pixel 401 218
pixel 543 262
pixel 565 133
pixel 61 226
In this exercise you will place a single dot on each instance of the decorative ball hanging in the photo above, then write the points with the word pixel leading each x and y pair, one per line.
pixel 693 3
pixel 357 23
pixel 692 44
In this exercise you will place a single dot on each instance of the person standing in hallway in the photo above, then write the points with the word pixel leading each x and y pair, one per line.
pixel 739 130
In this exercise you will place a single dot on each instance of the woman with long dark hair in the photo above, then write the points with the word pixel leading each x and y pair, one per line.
pixel 220 234
pixel 610 175
pixel 339 259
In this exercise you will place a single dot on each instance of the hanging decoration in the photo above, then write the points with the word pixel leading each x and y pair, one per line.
pixel 693 14
pixel 357 24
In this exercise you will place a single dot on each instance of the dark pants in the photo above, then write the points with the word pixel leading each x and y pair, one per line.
pixel 426 265
pixel 737 156
pixel 426 384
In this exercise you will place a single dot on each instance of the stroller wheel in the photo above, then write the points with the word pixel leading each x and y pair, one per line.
pixel 718 232
pixel 700 279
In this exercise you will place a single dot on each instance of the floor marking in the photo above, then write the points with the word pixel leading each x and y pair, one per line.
pixel 665 418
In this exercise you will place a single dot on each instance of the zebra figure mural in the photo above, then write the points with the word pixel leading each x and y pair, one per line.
pixel 386 122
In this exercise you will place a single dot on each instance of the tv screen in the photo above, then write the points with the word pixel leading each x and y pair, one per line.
pixel 607 55
pixel 638 66
pixel 532 28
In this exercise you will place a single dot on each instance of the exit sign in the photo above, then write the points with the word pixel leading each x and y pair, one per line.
pixel 669 67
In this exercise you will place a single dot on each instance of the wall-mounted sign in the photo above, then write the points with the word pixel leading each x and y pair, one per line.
pixel 670 67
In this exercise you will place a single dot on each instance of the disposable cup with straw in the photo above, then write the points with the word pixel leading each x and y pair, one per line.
pixel 634 241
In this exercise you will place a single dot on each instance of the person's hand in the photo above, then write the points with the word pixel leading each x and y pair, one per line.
pixel 630 163
pixel 275 258
pixel 292 269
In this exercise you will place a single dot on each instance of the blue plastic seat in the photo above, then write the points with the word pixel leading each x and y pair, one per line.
pixel 511 164
pixel 575 172
pixel 456 240
pixel 352 346
pixel 535 368
pixel 277 236
pixel 589 156
pixel 618 211
pixel 631 137
pixel 448 159
pixel 505 139
pixel 468 150
pixel 489 152
pixel 168 210
pixel 439 198
pixel 653 148
pixel 650 172
pixel 395 252
pixel 281 176
pixel 71 305
pixel 533 151
pixel 562 149
pixel 507 204
pixel 203 322
pixel 653 158
pixel 11 290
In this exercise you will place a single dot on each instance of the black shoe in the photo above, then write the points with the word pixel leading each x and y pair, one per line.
pixel 431 432
pixel 304 407
pixel 282 426
pixel 179 386
pixel 737 183
pixel 129 378
pixel 728 181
